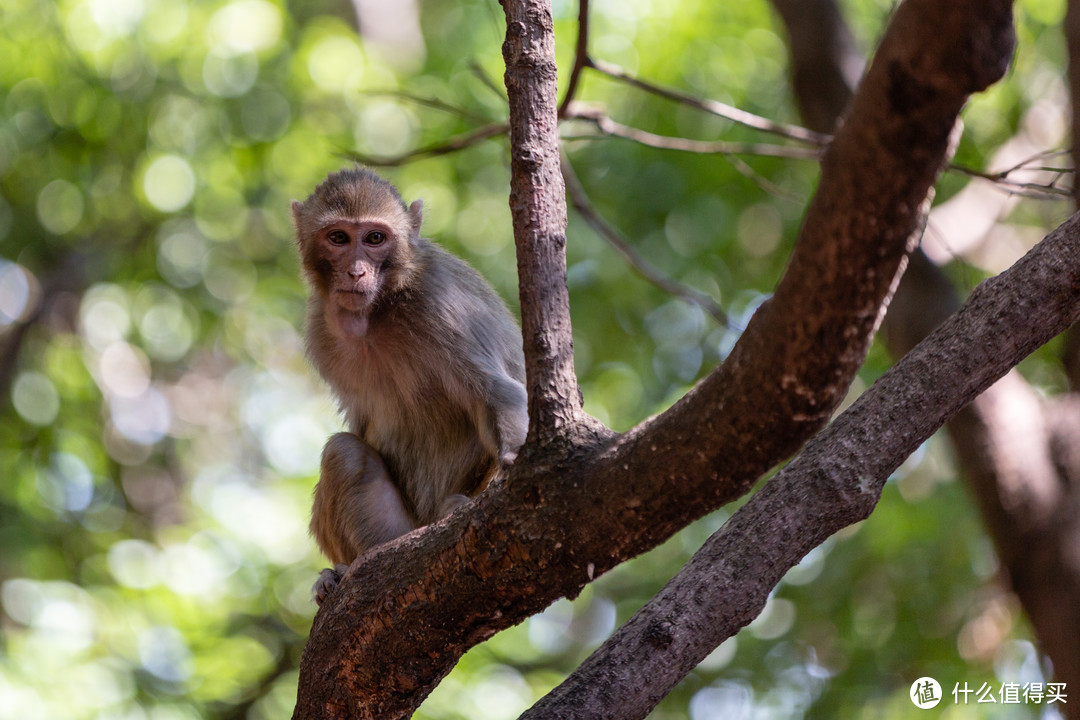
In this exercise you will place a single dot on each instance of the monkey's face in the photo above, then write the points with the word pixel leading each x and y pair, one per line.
pixel 356 240
pixel 355 263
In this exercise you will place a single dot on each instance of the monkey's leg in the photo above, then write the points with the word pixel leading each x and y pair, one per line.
pixel 357 506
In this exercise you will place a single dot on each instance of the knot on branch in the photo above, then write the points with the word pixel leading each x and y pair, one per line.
pixel 946 49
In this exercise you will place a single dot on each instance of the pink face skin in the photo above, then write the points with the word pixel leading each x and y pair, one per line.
pixel 357 252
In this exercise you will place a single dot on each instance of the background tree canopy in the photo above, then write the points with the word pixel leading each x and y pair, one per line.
pixel 160 428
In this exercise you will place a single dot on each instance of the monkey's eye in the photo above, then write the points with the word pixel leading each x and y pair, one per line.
pixel 375 238
pixel 338 237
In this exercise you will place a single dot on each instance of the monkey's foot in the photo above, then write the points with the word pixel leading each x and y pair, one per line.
pixel 327 582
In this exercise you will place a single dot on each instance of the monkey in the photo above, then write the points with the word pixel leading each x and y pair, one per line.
pixel 425 361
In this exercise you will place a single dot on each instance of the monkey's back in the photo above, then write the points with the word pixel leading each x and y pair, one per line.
pixel 417 386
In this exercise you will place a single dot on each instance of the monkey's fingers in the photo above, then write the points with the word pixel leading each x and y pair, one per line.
pixel 327 582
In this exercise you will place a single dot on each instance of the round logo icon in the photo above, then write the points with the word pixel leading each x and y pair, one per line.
pixel 925 693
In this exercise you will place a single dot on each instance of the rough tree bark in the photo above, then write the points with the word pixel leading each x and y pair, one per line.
pixel 834 482
pixel 581 499
pixel 1010 444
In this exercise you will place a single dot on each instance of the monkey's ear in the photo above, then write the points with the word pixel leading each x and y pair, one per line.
pixel 296 208
pixel 416 212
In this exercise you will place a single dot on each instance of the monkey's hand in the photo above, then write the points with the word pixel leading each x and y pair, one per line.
pixel 327 582
pixel 510 419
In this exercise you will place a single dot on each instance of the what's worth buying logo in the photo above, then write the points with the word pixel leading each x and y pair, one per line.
pixel 925 693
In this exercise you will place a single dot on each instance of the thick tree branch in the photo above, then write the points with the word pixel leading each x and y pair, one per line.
pixel 1072 41
pixel 407 610
pixel 538 206
pixel 1006 440
pixel 814 332
pixel 1015 451
pixel 834 482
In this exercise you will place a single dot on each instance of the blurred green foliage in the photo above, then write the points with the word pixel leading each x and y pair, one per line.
pixel 160 428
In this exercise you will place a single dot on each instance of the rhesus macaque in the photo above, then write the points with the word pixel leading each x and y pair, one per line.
pixel 425 361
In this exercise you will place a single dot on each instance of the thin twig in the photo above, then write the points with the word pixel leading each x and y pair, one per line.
pixel 1043 155
pixel 430 102
pixel 1040 191
pixel 744 168
pixel 612 128
pixel 478 71
pixel 581 56
pixel 1043 191
pixel 458 142
pixel 729 112
pixel 615 238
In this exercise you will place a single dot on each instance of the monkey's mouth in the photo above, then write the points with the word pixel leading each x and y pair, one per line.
pixel 351 299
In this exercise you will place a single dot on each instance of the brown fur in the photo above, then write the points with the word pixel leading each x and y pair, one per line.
pixel 423 356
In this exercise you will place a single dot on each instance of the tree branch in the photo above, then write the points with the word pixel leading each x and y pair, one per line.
pixel 834 482
pixel 407 610
pixel 581 56
pixel 1006 440
pixel 1071 28
pixel 825 62
pixel 643 267
pixel 446 147
pixel 431 102
pixel 714 107
pixel 538 206
pixel 611 128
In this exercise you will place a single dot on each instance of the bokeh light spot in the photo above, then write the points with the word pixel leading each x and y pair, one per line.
pixel 116 17
pixel 17 288
pixel 336 63
pixel 164 653
pixel 35 398
pixel 135 563
pixel 125 370
pixel 169 183
pixel 60 207
pixel 246 26
pixel 144 419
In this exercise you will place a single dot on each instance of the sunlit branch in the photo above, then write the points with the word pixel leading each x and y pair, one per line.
pixel 643 267
pixel 611 128
pixel 1041 191
pixel 729 112
pixel 1037 157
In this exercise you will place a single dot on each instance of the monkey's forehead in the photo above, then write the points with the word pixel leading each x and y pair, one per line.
pixel 343 203
pixel 327 219
pixel 356 185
